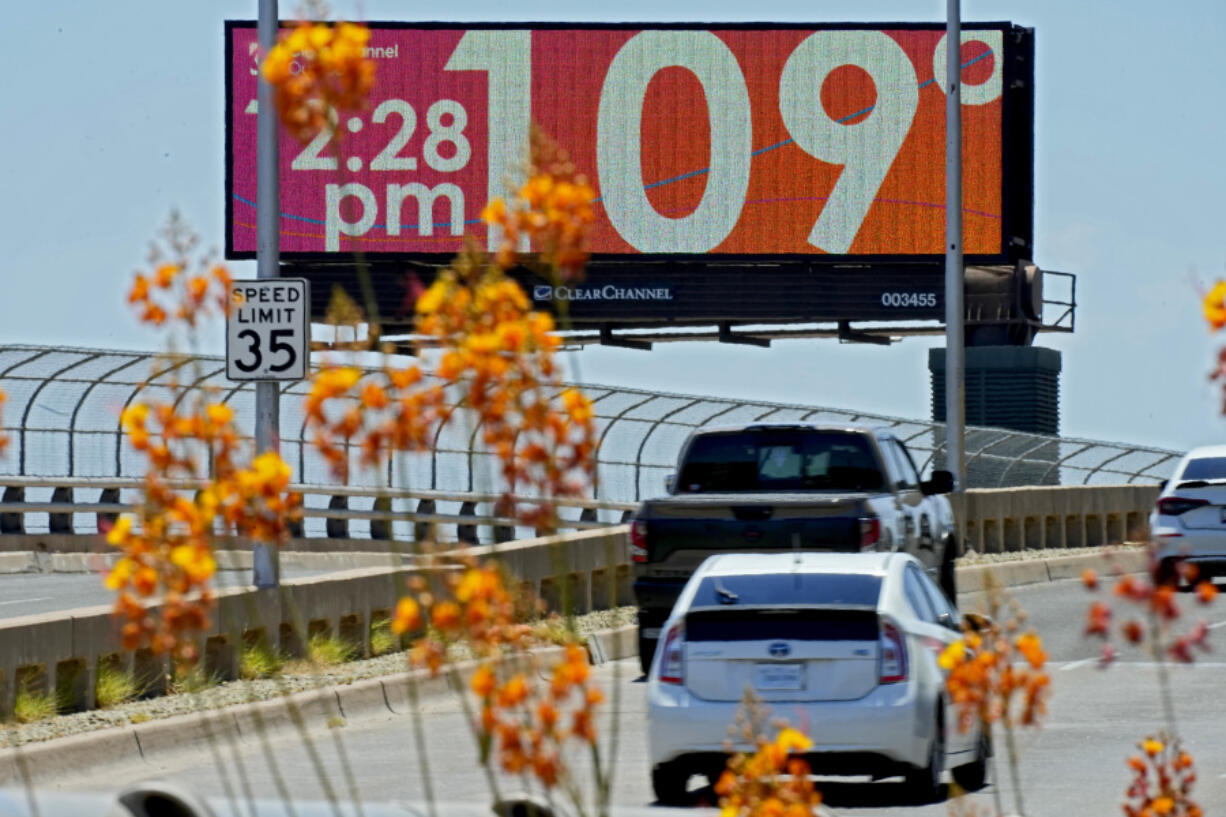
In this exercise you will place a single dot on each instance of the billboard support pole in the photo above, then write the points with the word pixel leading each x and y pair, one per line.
pixel 955 314
pixel 265 561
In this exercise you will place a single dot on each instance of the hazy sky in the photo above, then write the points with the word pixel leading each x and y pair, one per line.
pixel 116 116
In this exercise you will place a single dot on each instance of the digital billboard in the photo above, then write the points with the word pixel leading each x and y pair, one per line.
pixel 706 144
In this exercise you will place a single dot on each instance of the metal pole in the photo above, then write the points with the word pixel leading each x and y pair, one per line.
pixel 955 314
pixel 266 568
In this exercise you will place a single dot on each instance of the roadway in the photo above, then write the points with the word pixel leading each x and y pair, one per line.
pixel 1075 764
pixel 27 594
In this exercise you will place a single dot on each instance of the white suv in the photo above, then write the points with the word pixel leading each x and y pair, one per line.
pixel 1189 521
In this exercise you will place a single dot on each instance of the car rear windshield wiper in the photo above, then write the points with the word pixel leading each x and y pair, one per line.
pixel 725 595
pixel 1200 483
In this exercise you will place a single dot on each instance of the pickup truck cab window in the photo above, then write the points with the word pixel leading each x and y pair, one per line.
pixel 907 479
pixel 779 460
pixel 914 590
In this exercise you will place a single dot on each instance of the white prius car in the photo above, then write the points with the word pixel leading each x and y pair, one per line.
pixel 1189 521
pixel 841 645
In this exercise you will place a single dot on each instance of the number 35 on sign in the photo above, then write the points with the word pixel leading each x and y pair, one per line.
pixel 268 330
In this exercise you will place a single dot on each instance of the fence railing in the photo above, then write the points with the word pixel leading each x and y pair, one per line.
pixel 64 407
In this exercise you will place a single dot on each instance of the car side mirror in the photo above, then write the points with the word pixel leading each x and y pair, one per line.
pixel 669 481
pixel 1162 485
pixel 941 482
pixel 946 620
pixel 976 622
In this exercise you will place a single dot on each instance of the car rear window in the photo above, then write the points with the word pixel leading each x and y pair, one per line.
pixel 854 589
pixel 1204 468
pixel 779 460
pixel 795 625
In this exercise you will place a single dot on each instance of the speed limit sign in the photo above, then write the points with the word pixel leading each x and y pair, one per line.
pixel 268 330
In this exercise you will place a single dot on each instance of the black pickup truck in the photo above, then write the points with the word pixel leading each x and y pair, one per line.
pixel 785 487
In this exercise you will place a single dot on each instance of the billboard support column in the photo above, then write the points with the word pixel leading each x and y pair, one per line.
pixel 265 561
pixel 955 314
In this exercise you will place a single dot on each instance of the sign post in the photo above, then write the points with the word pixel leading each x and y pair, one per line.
pixel 265 562
pixel 268 339
pixel 955 274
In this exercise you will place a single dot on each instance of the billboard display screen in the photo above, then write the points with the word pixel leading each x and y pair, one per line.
pixel 734 141
pixel 746 173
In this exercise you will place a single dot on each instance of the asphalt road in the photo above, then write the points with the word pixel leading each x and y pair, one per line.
pixel 27 594
pixel 1075 764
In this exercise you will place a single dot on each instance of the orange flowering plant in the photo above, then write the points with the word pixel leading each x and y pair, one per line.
pixel 1163 775
pixel 771 781
pixel 316 71
pixel 530 715
pixel 996 674
pixel 188 440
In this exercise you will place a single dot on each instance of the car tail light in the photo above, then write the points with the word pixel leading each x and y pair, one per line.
pixel 1176 505
pixel 670 655
pixel 893 654
pixel 638 540
pixel 870 532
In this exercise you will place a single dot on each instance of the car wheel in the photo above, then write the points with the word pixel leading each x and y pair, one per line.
pixel 670 782
pixel 924 782
pixel 974 775
pixel 647 648
pixel 949 575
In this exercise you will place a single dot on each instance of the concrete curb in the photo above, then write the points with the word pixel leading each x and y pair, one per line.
pixel 309 709
pixel 972 578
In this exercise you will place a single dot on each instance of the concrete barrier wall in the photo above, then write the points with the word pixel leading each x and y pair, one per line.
pixel 999 520
pixel 63 651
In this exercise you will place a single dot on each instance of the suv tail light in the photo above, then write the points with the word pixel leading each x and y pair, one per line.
pixel 670 655
pixel 638 540
pixel 870 532
pixel 893 654
pixel 1176 505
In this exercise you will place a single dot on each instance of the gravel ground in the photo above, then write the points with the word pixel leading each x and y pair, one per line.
pixel 241 692
pixel 976 558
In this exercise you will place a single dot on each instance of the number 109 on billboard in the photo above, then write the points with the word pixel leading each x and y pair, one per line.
pixel 750 141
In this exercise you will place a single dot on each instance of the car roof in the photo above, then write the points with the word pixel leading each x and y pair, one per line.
pixel 1206 451
pixel 739 564
pixel 850 427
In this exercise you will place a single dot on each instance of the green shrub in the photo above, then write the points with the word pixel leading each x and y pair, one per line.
pixel 382 639
pixel 193 679
pixel 114 685
pixel 260 660
pixel 33 706
pixel 329 651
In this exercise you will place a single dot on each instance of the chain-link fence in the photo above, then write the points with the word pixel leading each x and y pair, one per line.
pixel 63 409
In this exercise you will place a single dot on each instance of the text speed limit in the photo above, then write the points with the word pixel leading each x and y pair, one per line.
pixel 268 330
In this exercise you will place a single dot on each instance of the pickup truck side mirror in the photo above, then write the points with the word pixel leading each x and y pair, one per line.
pixel 669 481
pixel 941 482
pixel 976 622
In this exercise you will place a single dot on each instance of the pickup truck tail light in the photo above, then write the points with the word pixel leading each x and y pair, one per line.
pixel 670 655
pixel 1176 505
pixel 638 540
pixel 870 532
pixel 893 648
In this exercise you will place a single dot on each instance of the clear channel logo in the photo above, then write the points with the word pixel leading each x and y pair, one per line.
pixel 608 292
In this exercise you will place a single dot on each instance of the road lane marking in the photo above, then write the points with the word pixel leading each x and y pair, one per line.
pixel 26 601
pixel 1081 663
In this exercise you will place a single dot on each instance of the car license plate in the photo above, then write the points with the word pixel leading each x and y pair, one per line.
pixel 779 676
